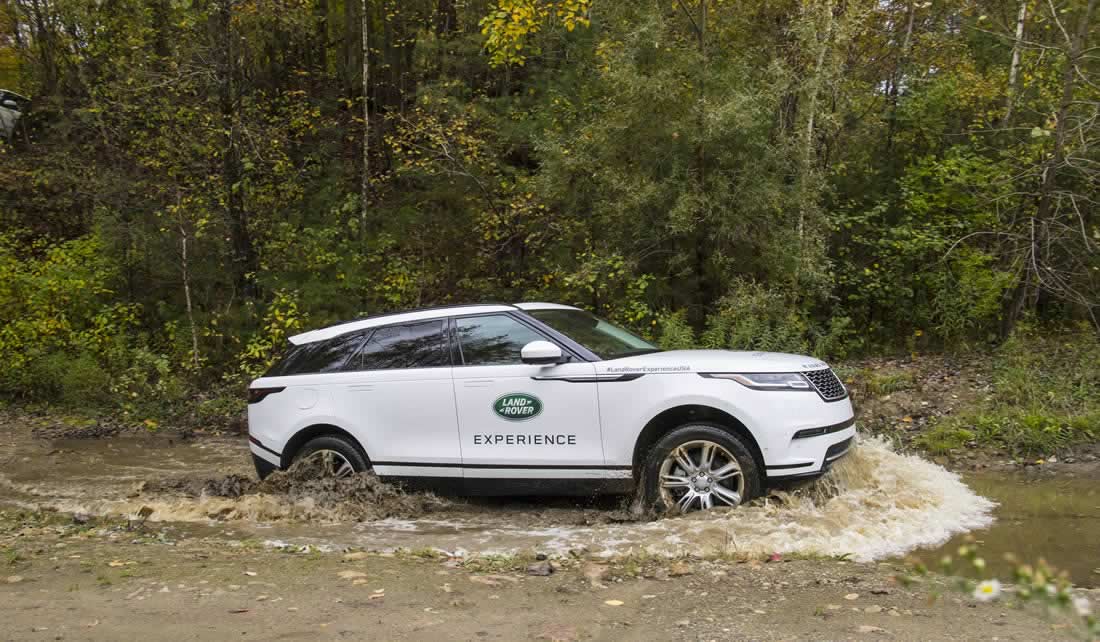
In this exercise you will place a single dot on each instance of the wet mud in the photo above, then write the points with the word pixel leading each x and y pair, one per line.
pixel 875 504
pixel 356 498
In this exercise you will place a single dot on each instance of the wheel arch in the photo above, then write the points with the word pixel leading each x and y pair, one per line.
pixel 674 417
pixel 303 436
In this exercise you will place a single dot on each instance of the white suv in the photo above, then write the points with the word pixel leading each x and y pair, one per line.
pixel 540 398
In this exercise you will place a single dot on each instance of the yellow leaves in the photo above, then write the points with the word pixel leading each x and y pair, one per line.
pixel 512 22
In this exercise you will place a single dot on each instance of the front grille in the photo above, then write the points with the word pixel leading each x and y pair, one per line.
pixel 827 384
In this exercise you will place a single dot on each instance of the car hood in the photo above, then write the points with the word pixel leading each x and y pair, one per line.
pixel 676 361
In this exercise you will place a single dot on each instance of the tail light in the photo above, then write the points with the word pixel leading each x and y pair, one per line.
pixel 256 395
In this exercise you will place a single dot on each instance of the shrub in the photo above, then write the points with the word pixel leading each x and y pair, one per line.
pixel 755 317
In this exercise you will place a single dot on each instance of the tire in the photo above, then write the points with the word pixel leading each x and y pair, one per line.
pixel 337 456
pixel 708 490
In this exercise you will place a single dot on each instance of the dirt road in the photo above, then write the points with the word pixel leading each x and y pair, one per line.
pixel 101 581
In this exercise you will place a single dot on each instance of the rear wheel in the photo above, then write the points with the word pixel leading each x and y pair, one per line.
pixel 699 467
pixel 331 456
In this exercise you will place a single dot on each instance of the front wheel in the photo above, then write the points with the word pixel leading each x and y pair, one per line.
pixel 698 467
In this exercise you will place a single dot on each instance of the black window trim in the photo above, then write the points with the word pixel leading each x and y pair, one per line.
pixel 568 346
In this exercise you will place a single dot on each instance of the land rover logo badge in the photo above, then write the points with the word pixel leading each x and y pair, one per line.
pixel 517 406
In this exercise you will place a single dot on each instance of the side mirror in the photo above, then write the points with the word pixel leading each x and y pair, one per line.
pixel 10 104
pixel 541 353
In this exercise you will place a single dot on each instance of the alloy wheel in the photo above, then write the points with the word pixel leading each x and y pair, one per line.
pixel 330 463
pixel 700 474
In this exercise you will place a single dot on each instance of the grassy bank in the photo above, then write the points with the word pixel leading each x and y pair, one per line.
pixel 1035 396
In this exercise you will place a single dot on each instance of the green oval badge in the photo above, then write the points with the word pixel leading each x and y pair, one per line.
pixel 517 406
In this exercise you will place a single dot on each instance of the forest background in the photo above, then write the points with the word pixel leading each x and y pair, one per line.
pixel 198 179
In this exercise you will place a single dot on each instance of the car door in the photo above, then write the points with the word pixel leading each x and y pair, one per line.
pixel 520 420
pixel 401 399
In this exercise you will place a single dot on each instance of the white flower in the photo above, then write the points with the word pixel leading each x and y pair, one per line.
pixel 987 590
pixel 1082 606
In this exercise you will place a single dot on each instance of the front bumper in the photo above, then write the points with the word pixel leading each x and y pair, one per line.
pixel 813 456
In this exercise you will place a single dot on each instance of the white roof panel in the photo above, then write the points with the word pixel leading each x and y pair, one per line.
pixel 399 317
pixel 535 305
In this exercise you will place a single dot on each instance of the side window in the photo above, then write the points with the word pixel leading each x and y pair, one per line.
pixel 292 361
pixel 416 345
pixel 334 355
pixel 493 340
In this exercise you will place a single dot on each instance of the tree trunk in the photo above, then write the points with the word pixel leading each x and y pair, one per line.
pixel 896 77
pixel 1014 68
pixel 243 256
pixel 705 285
pixel 348 75
pixel 1032 276
pixel 446 17
pixel 185 272
pixel 807 178
pixel 364 185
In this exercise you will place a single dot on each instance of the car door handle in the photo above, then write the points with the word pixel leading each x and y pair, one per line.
pixel 361 387
pixel 476 383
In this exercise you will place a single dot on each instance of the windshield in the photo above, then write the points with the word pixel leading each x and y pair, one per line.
pixel 592 332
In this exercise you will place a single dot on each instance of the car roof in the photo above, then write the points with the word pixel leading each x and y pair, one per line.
pixel 421 314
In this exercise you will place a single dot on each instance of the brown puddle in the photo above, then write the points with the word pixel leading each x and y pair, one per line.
pixel 876 504
pixel 1056 519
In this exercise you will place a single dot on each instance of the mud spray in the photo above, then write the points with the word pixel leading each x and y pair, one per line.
pixel 874 504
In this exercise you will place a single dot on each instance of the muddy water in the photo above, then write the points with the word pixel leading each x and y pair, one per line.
pixel 875 504
pixel 1056 519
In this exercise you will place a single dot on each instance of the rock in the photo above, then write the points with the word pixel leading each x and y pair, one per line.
pixel 867 628
pixel 595 574
pixel 683 623
pixel 679 569
pixel 540 557
pixel 880 591
pixel 541 569
pixel 14 579
pixel 350 575
pixel 613 602
pixel 354 557
pixel 852 596
pixel 81 518
pixel 873 609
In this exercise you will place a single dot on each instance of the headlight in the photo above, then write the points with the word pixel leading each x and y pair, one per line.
pixel 766 380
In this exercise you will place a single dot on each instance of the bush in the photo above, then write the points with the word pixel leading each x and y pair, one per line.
pixel 1045 397
pixel 755 317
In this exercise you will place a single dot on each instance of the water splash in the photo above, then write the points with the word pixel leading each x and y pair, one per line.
pixel 874 504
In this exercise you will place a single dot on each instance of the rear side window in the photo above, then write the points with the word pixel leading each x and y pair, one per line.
pixel 415 345
pixel 333 355
pixel 292 361
pixel 493 340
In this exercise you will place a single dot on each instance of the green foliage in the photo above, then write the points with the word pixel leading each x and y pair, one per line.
pixel 674 333
pixel 754 317
pixel 173 209
pixel 281 320
pixel 1020 434
pixel 1045 397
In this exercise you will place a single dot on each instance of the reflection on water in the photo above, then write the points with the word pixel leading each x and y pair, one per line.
pixel 1056 519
